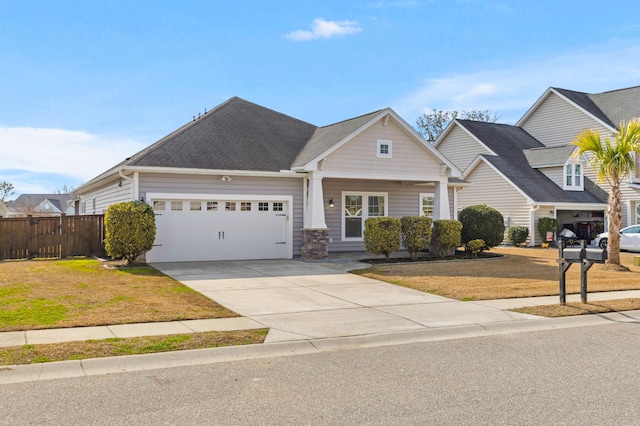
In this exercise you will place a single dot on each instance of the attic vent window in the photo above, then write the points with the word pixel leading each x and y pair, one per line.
pixel 384 149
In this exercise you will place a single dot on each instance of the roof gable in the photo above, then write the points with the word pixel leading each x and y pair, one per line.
pixel 31 201
pixel 236 135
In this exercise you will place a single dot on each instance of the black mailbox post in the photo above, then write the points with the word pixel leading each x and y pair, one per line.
pixel 586 257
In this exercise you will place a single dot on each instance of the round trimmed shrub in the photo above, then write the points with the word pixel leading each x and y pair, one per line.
pixel 382 235
pixel 482 222
pixel 517 235
pixel 130 229
pixel 475 247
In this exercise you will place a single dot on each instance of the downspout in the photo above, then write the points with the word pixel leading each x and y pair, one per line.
pixel 532 223
pixel 134 186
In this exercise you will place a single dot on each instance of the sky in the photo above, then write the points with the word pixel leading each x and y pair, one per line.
pixel 86 84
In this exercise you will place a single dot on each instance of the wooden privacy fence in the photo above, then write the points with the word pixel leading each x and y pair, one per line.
pixel 51 236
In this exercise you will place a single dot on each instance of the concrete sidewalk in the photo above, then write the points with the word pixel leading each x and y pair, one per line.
pixel 35 337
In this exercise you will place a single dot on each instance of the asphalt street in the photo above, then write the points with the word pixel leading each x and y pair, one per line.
pixel 585 375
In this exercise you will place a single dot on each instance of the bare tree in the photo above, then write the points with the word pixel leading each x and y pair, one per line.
pixel 6 190
pixel 431 125
pixel 64 190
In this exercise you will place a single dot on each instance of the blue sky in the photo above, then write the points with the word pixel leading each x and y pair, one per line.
pixel 86 84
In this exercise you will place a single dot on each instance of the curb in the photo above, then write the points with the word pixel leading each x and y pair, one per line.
pixel 129 363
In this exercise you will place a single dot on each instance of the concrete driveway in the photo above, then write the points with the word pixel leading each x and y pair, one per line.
pixel 300 301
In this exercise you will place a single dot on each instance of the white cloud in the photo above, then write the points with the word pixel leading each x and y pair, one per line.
pixel 510 91
pixel 325 29
pixel 71 153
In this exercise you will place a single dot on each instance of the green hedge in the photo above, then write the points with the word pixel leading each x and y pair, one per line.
pixel 416 234
pixel 130 230
pixel 446 235
pixel 382 235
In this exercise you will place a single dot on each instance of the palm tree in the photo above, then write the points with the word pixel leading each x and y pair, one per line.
pixel 613 160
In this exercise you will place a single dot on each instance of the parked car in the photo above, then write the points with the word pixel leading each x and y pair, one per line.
pixel 629 238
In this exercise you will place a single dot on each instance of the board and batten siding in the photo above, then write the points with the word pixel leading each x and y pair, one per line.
pixel 557 122
pixel 488 187
pixel 207 184
pixel 460 148
pixel 116 191
pixel 403 200
pixel 359 155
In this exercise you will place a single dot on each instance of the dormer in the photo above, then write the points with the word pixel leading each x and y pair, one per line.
pixel 573 175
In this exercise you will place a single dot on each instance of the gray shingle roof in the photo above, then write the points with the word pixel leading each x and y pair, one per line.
pixel 326 137
pixel 619 105
pixel 552 156
pixel 28 201
pixel 510 143
pixel 611 107
pixel 585 102
pixel 236 135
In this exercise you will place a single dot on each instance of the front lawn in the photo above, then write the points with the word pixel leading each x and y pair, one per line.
pixel 38 294
pixel 524 272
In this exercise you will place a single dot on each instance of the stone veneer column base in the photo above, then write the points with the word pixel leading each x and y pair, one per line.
pixel 315 244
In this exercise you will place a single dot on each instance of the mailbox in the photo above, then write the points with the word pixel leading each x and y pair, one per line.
pixel 596 255
pixel 573 254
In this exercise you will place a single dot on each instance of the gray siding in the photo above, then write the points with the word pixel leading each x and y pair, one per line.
pixel 488 187
pixel 404 200
pixel 207 184
pixel 557 122
pixel 115 191
pixel 460 148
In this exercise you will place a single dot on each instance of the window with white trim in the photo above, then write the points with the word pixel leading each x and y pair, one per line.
pixel 176 206
pixel 638 212
pixel 195 206
pixel 358 207
pixel 573 177
pixel 427 204
pixel 158 205
pixel 635 174
pixel 384 149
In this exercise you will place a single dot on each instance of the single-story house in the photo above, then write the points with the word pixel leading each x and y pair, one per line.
pixel 245 182
pixel 41 205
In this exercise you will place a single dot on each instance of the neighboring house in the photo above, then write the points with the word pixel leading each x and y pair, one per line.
pixel 3 209
pixel 246 182
pixel 514 173
pixel 528 171
pixel 41 205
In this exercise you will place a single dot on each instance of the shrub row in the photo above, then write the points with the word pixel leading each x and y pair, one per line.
pixel 383 235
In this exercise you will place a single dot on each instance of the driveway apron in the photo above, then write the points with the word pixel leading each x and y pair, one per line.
pixel 300 301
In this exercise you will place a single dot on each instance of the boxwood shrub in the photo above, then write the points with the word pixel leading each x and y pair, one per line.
pixel 517 235
pixel 446 236
pixel 382 235
pixel 130 230
pixel 416 234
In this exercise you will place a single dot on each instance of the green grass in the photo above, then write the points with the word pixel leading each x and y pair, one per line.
pixel 35 312
pixel 31 354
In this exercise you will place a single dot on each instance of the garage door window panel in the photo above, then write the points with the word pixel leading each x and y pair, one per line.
pixel 212 206
pixel 176 206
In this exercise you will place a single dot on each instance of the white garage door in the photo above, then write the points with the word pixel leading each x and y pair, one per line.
pixel 196 230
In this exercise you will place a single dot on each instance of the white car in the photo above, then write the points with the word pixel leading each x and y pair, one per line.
pixel 629 239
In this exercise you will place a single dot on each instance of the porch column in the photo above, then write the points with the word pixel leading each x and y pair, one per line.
pixel 315 235
pixel 314 218
pixel 442 210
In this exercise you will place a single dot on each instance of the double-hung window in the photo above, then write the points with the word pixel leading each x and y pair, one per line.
pixel 573 177
pixel 358 207
pixel 427 204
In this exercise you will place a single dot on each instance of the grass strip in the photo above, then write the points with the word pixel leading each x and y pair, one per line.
pixel 32 354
